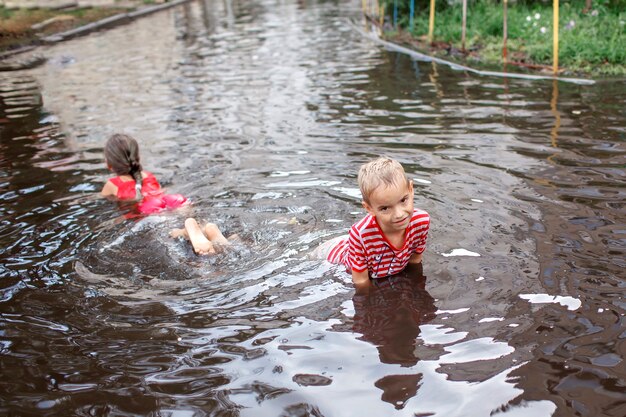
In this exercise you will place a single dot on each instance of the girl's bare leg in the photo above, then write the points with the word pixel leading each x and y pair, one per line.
pixel 214 234
pixel 201 245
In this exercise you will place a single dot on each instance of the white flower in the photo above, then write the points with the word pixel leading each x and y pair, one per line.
pixel 528 18
pixel 537 16
pixel 543 30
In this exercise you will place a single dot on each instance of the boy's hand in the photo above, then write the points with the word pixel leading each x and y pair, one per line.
pixel 416 258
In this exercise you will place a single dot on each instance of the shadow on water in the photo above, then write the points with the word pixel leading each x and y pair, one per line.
pixel 261 113
pixel 389 317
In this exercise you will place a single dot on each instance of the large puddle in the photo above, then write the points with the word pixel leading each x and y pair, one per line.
pixel 261 113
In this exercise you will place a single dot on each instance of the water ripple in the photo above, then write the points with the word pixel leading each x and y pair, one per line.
pixel 261 114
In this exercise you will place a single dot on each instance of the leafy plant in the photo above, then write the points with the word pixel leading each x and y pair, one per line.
pixel 588 38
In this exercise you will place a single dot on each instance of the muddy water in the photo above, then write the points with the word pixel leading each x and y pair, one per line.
pixel 261 113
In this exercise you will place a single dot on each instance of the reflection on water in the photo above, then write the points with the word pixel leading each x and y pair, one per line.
pixel 389 317
pixel 261 113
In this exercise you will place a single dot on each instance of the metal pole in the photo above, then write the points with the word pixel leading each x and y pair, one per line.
pixel 431 21
pixel 395 14
pixel 411 13
pixel 505 34
pixel 555 36
pixel 464 25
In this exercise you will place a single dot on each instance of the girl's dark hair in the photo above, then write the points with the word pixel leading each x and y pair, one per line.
pixel 122 155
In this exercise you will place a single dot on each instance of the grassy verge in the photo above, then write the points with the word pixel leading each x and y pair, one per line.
pixel 591 43
pixel 16 25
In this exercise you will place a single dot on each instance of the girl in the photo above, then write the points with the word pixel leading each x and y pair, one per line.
pixel 121 154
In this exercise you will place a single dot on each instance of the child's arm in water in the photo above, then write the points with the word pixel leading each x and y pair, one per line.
pixel 108 190
pixel 361 279
pixel 416 258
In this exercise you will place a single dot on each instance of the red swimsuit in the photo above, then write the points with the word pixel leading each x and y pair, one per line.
pixel 154 200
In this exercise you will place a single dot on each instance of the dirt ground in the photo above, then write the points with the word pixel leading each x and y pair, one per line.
pixel 23 23
pixel 60 4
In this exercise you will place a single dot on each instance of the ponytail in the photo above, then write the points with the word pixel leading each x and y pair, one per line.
pixel 122 154
pixel 135 172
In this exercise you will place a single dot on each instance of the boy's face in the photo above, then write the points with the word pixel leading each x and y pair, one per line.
pixel 392 206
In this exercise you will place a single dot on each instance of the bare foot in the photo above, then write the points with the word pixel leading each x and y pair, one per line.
pixel 204 248
pixel 214 234
pixel 176 233
pixel 201 245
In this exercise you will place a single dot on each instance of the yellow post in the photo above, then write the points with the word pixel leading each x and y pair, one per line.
pixel 464 25
pixel 505 31
pixel 555 36
pixel 381 16
pixel 364 6
pixel 431 21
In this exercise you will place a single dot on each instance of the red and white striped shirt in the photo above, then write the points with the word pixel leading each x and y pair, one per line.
pixel 366 247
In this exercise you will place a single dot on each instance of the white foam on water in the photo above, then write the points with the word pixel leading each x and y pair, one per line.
pixel 271 195
pixel 481 349
pixel 528 408
pixel 314 182
pixel 490 319
pixel 436 334
pixel 457 311
pixel 288 173
pixel 460 252
pixel 570 302
pixel 350 192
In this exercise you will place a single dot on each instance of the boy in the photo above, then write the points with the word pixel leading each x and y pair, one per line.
pixel 392 235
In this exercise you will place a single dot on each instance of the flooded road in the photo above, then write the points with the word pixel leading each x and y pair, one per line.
pixel 261 113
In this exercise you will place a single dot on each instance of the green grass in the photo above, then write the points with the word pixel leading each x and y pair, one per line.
pixel 593 44
pixel 16 24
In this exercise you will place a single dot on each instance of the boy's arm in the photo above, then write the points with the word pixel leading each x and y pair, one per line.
pixel 421 236
pixel 357 259
pixel 416 258
pixel 361 279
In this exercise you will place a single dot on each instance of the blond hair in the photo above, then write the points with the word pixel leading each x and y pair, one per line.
pixel 380 171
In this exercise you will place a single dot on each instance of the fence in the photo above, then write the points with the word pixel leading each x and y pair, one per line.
pixel 375 9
